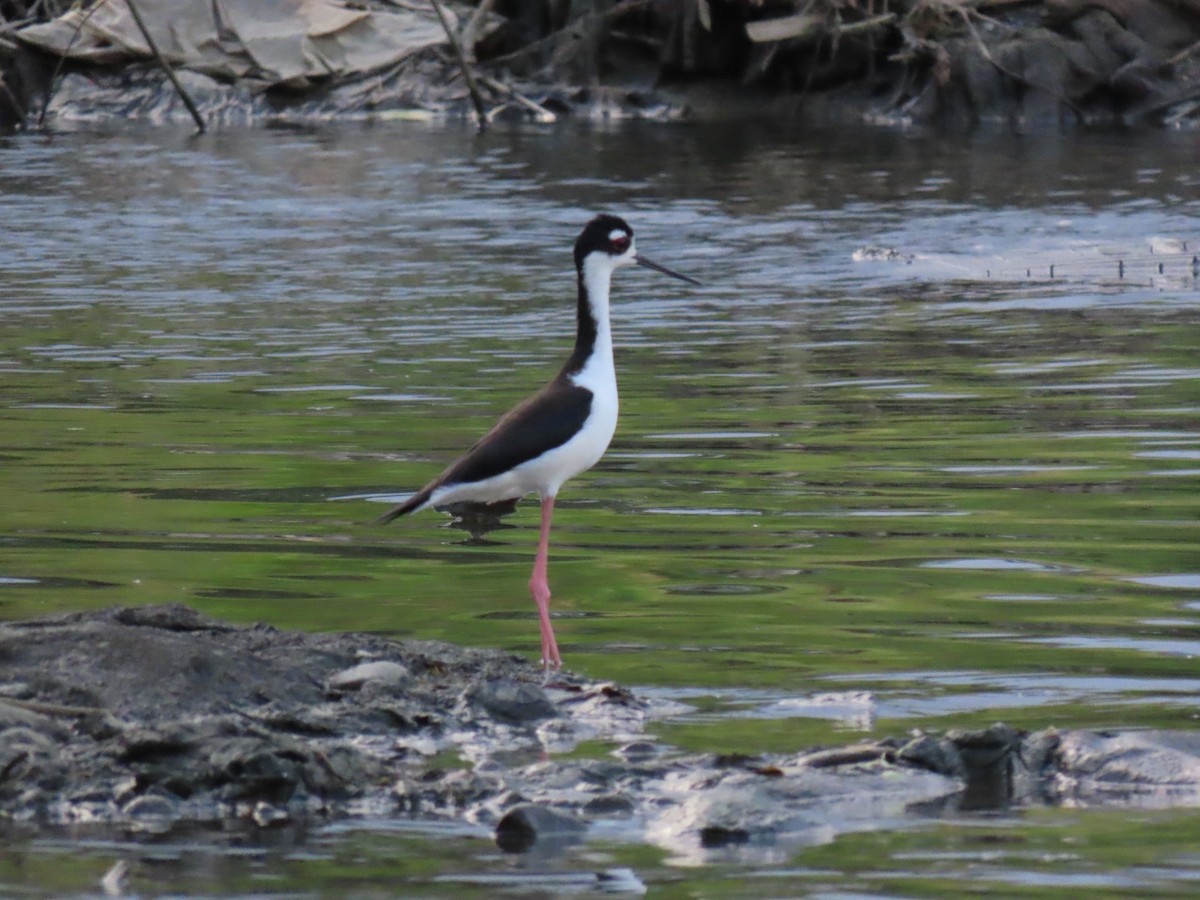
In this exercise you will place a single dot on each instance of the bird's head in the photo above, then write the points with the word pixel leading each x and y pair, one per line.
pixel 607 242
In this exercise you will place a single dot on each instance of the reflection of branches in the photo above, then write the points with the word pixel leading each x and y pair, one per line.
pixel 154 51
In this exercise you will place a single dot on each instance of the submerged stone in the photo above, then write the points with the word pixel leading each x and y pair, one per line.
pixel 525 826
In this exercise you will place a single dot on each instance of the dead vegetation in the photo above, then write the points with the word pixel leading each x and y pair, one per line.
pixel 959 60
pixel 955 61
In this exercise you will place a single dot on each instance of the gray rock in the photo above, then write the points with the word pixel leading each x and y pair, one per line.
pixel 934 754
pixel 523 827
pixel 382 672
pixel 513 702
pixel 162 716
pixel 1151 769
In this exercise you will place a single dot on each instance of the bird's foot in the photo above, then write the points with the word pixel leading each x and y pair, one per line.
pixel 551 661
pixel 550 671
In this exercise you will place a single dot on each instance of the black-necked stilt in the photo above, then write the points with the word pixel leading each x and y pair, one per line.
pixel 561 430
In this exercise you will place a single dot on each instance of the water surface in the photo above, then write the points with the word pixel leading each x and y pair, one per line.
pixel 872 477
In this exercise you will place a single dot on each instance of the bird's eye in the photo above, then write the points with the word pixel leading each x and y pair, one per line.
pixel 619 244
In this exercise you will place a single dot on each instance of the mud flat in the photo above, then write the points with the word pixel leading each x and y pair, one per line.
pixel 157 717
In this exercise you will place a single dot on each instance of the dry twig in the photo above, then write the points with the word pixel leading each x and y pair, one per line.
pixel 468 75
pixel 166 67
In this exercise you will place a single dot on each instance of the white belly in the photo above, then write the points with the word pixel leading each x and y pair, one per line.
pixel 545 474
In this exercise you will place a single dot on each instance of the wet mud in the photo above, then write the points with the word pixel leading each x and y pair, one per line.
pixel 159 717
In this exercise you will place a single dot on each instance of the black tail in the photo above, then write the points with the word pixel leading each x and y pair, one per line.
pixel 416 500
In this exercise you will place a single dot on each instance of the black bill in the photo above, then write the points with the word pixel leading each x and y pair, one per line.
pixel 642 261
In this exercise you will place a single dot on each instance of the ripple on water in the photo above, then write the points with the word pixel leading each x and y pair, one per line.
pixel 935 395
pixel 710 435
pixel 921 695
pixel 897 513
pixel 995 564
pixel 722 589
pixel 1188 455
pixel 1184 581
pixel 101 407
pixel 700 511
pixel 1012 469
pixel 650 454
pixel 1160 646
pixel 402 398
pixel 1028 598
pixel 307 388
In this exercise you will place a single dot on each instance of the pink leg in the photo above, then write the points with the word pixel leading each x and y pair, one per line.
pixel 539 586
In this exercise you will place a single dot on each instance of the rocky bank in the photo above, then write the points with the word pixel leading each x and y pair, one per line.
pixel 156 717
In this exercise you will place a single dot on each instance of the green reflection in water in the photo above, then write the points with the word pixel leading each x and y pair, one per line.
pixel 826 479
pixel 815 517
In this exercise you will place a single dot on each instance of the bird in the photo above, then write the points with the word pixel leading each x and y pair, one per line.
pixel 561 430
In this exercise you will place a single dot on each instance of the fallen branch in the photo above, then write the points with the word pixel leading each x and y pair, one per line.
pixel 472 27
pixel 166 67
pixel 468 75
pixel 1184 54
pixel 809 25
pixel 543 115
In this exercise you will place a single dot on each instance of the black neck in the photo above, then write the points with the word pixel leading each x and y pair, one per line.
pixel 585 332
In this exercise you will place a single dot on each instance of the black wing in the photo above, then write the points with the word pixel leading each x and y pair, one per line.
pixel 548 419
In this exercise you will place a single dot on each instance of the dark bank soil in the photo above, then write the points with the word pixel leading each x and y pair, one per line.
pixel 159 715
pixel 1025 63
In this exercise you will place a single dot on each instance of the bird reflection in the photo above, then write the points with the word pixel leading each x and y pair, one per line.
pixel 478 519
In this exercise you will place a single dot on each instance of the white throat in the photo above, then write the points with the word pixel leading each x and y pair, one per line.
pixel 597 279
pixel 599 374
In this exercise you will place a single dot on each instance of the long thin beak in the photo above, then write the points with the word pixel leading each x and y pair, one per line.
pixel 642 261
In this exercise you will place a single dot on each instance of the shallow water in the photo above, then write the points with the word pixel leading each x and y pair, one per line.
pixel 853 491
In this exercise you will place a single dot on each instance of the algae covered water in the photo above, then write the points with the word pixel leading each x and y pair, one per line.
pixel 885 471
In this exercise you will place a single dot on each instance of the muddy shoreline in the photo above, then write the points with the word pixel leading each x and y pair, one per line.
pixel 1026 64
pixel 154 718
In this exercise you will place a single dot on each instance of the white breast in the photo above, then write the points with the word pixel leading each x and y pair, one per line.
pixel 545 474
pixel 548 472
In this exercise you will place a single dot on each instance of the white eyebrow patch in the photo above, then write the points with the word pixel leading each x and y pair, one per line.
pixel 616 234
